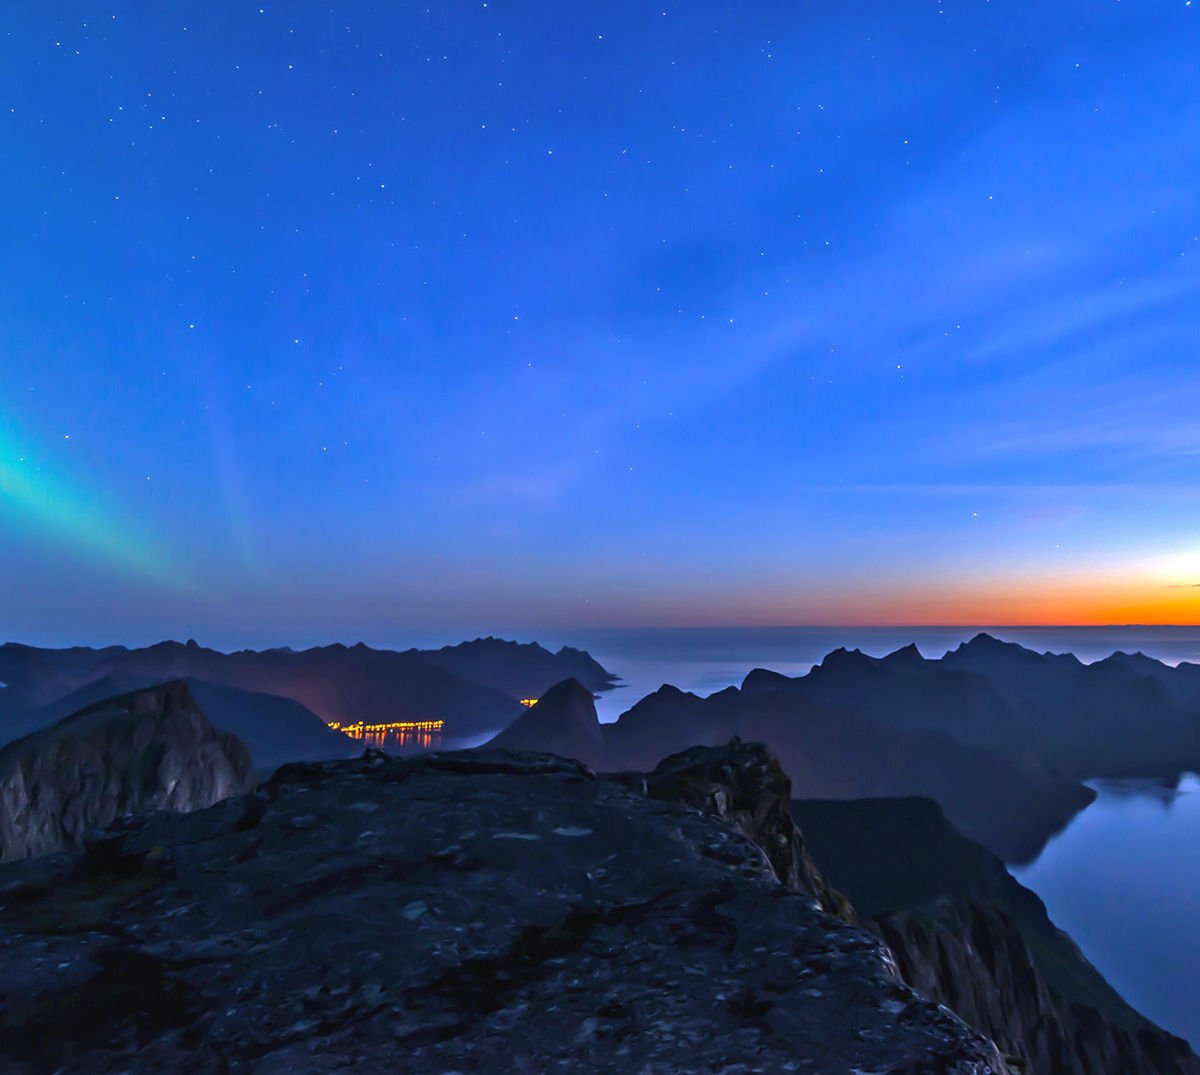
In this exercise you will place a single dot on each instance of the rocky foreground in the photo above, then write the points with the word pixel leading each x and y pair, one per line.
pixel 480 911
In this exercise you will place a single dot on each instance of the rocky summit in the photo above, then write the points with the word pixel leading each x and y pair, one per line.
pixel 482 911
pixel 147 750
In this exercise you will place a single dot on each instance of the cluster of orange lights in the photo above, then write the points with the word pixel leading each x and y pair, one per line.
pixel 528 701
pixel 419 733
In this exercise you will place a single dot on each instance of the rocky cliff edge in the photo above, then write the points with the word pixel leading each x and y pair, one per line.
pixel 472 912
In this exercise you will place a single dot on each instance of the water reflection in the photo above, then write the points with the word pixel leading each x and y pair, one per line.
pixel 1123 879
pixel 394 735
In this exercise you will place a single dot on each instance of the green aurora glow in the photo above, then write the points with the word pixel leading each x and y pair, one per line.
pixel 34 498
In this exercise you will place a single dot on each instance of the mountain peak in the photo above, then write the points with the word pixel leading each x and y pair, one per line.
pixel 983 640
pixel 906 655
pixel 841 655
pixel 151 749
pixel 985 645
pixel 570 692
pixel 760 680
pixel 563 721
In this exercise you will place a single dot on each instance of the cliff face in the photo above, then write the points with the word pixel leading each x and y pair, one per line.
pixel 481 911
pixel 743 783
pixel 975 960
pixel 965 933
pixel 274 729
pixel 972 958
pixel 149 750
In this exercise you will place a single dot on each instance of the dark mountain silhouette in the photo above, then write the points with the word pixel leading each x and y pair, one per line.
pixel 1121 716
pixel 663 722
pixel 276 730
pixel 110 686
pixel 888 854
pixel 519 670
pixel 562 722
pixel 999 735
pixel 967 934
pixel 17 720
pixel 1182 680
pixel 37 677
pixel 339 683
pixel 148 750
pixel 1007 805
pixel 1010 807
pixel 907 692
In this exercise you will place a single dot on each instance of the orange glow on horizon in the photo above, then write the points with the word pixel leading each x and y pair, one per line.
pixel 1011 601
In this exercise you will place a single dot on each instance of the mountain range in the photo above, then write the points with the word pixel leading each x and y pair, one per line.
pixel 1002 737
pixel 280 701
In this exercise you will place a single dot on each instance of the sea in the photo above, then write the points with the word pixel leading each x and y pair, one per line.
pixel 1123 879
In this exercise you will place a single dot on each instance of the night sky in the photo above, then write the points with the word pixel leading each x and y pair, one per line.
pixel 324 322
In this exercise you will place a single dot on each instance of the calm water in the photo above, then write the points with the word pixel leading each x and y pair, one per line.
pixel 1123 879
